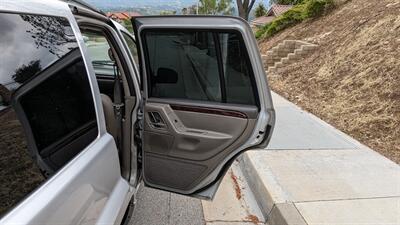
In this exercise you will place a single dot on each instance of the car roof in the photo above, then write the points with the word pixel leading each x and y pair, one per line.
pixel 50 7
pixel 41 7
pixel 84 4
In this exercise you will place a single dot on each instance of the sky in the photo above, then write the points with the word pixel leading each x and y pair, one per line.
pixel 140 3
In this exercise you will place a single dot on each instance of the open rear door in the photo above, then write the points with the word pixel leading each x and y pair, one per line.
pixel 206 99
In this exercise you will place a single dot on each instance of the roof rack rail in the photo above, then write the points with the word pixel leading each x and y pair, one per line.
pixel 85 5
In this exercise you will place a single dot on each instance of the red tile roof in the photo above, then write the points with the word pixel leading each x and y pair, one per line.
pixel 277 10
pixel 259 21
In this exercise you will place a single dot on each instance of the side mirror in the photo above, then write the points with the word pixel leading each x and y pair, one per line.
pixel 166 76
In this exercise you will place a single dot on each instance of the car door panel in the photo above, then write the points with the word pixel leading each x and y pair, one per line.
pixel 202 110
pixel 75 190
pixel 186 150
pixel 190 139
pixel 86 183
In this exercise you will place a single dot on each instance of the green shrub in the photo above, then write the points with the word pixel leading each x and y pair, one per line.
pixel 315 8
pixel 260 32
pixel 298 13
pixel 287 19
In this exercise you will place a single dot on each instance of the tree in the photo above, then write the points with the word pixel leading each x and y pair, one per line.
pixel 25 72
pixel 215 7
pixel 244 7
pixel 192 10
pixel 53 33
pixel 260 10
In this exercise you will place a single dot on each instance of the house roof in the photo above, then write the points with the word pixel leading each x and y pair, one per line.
pixel 262 20
pixel 277 9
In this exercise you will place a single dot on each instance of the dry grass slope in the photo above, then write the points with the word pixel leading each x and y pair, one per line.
pixel 353 81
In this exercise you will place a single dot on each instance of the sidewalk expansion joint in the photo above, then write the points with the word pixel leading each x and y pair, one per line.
pixel 312 149
pixel 348 199
pixel 298 211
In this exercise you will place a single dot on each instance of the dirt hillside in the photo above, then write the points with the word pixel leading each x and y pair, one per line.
pixel 353 80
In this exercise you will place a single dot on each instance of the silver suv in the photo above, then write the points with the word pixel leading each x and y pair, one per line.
pixel 89 110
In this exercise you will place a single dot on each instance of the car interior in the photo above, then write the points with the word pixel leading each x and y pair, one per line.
pixel 107 71
pixel 117 99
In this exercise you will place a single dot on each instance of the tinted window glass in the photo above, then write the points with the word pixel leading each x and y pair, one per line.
pixel 46 107
pixel 237 70
pixel 183 65
pixel 199 65
pixel 132 46
pixel 98 47
pixel 60 105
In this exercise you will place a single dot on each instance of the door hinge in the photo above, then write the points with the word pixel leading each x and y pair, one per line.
pixel 138 138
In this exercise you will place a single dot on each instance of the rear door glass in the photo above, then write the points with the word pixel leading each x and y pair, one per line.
pixel 236 69
pixel 199 65
pixel 132 46
pixel 183 65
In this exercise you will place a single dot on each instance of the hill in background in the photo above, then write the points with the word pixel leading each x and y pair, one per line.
pixel 353 80
pixel 144 7
pixel 153 7
pixel 141 3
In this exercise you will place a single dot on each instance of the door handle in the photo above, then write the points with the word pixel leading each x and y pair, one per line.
pixel 156 120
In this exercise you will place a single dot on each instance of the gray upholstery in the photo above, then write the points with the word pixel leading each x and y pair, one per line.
pixel 183 147
pixel 108 108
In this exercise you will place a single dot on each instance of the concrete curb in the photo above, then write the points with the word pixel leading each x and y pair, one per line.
pixel 264 200
pixel 285 214
pixel 300 186
pixel 275 214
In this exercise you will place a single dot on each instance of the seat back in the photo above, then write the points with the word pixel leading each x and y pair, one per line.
pixel 109 115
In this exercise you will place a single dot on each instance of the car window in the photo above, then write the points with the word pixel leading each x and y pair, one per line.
pixel 98 48
pixel 132 46
pixel 183 65
pixel 46 103
pixel 199 65
pixel 237 69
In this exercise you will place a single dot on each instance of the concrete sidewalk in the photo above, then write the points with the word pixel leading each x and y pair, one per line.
pixel 315 174
pixel 234 204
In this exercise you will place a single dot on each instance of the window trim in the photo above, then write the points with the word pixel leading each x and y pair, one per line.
pixel 216 32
